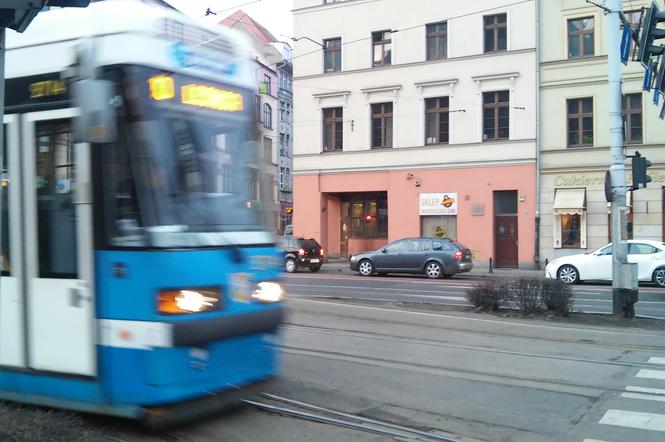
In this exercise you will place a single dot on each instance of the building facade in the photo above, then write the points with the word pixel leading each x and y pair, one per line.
pixel 273 103
pixel 416 119
pixel 575 136
pixel 285 122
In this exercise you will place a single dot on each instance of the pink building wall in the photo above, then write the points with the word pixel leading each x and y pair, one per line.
pixel 315 216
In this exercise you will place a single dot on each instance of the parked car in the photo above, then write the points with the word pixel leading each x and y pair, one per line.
pixel 597 265
pixel 301 252
pixel 435 257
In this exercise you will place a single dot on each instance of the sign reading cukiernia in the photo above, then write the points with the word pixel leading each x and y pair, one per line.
pixel 438 203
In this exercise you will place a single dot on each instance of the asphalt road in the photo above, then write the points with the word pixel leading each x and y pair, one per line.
pixel 453 374
pixel 337 282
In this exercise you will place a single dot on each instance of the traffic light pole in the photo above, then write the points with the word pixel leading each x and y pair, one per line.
pixel 622 284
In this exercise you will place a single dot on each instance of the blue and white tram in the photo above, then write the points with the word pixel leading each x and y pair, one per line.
pixel 137 272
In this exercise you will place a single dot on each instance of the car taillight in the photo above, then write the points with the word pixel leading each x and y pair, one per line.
pixel 321 252
pixel 458 255
pixel 301 252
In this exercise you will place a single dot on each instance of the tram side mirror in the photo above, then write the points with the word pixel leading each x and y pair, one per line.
pixel 96 101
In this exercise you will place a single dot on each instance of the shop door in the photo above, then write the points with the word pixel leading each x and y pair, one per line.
pixel 50 230
pixel 506 241
pixel 344 227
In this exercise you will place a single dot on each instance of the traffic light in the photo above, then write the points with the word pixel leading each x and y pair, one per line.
pixel 640 177
pixel 649 33
pixel 368 218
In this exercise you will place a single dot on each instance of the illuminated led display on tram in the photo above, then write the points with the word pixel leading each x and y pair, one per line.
pixel 162 88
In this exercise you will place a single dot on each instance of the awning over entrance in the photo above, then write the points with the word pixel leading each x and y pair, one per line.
pixel 569 201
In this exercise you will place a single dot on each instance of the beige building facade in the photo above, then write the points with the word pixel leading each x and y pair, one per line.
pixel 574 132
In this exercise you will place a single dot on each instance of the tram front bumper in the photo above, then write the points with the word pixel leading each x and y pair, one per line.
pixel 194 333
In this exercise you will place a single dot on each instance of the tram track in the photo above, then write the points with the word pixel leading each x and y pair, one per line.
pixel 444 344
pixel 306 411
pixel 498 333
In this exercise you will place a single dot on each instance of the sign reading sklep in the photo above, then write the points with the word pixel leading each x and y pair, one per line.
pixel 438 203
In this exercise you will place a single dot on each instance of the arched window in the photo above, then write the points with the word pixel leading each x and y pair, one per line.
pixel 267 116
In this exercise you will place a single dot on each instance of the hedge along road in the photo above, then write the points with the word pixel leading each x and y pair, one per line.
pixel 587 298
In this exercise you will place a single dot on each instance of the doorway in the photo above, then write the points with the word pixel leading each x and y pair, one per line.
pixel 506 240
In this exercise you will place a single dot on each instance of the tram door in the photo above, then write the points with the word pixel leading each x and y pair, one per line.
pixel 49 291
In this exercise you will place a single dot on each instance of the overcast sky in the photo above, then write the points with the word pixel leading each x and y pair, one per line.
pixel 275 15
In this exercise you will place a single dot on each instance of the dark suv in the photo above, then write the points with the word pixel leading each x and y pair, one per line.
pixel 301 252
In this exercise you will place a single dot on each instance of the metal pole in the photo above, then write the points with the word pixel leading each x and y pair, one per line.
pixel 2 132
pixel 620 269
pixel 536 256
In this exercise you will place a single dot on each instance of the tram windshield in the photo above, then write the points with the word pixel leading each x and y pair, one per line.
pixel 184 171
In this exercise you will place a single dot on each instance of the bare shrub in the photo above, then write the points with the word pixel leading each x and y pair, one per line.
pixel 526 295
pixel 489 294
pixel 557 296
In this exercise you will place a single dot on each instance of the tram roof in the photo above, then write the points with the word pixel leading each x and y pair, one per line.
pixel 112 19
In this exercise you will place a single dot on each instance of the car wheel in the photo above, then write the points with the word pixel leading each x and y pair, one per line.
pixel 568 274
pixel 365 267
pixel 433 270
pixel 315 267
pixel 290 265
pixel 659 277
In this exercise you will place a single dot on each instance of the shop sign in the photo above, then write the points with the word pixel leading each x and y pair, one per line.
pixel 438 203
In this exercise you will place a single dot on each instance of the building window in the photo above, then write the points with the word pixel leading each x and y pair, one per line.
pixel 632 112
pixel 332 55
pixel 282 146
pixel 570 218
pixel 333 129
pixel 267 116
pixel 382 125
pixel 580 122
pixel 368 214
pixel 634 18
pixel 580 37
pixel 437 41
pixel 496 115
pixel 571 231
pixel 267 87
pixel 496 32
pixel 436 120
pixel 382 48
pixel 267 149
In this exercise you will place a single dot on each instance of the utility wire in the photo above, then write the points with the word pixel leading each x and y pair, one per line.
pixel 210 12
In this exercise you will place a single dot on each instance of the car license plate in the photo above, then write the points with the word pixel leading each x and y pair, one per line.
pixel 314 261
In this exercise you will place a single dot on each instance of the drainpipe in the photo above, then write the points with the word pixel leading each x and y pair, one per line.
pixel 536 255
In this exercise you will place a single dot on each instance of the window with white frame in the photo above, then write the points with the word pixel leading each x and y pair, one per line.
pixel 570 219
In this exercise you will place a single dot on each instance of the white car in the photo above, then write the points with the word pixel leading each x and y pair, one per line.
pixel 597 265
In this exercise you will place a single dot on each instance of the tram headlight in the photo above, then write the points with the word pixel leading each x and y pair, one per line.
pixel 269 292
pixel 172 302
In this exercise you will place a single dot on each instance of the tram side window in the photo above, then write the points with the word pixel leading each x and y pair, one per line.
pixel 6 258
pixel 56 215
pixel 121 213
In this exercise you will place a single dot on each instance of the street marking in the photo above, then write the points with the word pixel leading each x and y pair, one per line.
pixel 651 374
pixel 634 419
pixel 656 361
pixel 646 397
pixel 594 440
pixel 646 390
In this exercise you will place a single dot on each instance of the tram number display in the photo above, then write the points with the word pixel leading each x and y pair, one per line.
pixel 47 88
pixel 163 88
pixel 36 90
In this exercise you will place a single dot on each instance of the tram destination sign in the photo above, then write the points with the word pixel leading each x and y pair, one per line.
pixel 167 89
pixel 35 90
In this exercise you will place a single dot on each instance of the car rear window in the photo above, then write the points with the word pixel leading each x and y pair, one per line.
pixel 309 244
pixel 442 245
